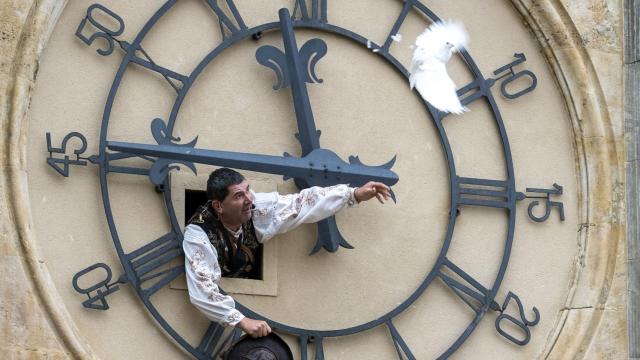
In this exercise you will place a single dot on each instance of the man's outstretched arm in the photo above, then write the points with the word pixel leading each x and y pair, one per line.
pixel 276 214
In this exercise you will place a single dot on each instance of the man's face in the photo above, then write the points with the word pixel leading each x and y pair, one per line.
pixel 235 209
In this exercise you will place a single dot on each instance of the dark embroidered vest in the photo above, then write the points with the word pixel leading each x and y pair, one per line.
pixel 241 260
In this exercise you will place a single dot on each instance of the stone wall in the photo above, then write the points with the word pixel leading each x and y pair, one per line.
pixel 34 323
pixel 582 41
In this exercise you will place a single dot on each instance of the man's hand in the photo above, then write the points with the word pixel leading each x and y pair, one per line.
pixel 371 189
pixel 255 328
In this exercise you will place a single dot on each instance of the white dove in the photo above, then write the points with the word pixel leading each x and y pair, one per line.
pixel 433 49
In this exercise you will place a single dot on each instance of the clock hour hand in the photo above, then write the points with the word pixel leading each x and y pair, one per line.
pixel 321 167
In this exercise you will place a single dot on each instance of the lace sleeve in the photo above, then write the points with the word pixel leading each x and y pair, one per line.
pixel 308 206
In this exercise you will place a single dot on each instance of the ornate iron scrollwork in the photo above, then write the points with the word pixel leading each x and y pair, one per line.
pixel 161 167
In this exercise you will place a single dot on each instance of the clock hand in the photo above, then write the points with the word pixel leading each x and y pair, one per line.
pixel 329 235
pixel 296 68
pixel 320 167
pixel 298 73
pixel 293 71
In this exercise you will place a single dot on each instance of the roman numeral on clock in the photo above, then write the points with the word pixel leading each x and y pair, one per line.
pixel 473 91
pixel 109 34
pixel 477 297
pixel 466 287
pixel 316 10
pixel 396 26
pixel 406 8
pixel 151 261
pixel 147 62
pixel 481 87
pixel 483 192
pixel 228 27
pixel 401 346
pixel 304 344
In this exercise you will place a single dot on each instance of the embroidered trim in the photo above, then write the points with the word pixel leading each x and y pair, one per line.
pixel 311 197
pixel 351 200
pixel 206 277
pixel 233 318
pixel 262 212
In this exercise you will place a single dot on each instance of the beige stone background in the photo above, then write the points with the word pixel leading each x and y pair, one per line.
pixel 569 130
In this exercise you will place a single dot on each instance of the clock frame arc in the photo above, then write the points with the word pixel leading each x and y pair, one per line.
pixel 437 117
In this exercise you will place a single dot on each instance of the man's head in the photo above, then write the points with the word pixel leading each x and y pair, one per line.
pixel 230 196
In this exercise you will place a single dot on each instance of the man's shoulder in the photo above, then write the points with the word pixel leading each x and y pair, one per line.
pixel 194 232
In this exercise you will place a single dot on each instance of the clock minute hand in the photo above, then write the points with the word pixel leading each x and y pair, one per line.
pixel 298 73
pixel 321 166
pixel 296 68
pixel 329 236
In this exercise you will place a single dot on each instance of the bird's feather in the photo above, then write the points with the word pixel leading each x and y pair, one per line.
pixel 428 72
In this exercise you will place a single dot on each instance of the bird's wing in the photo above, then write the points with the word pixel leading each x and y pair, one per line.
pixel 413 70
pixel 434 84
pixel 441 33
pixel 420 57
pixel 429 76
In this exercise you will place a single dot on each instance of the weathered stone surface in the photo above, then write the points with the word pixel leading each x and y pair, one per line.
pixel 574 347
pixel 608 67
pixel 610 341
pixel 593 285
pixel 582 43
pixel 598 22
pixel 24 328
pixel 34 321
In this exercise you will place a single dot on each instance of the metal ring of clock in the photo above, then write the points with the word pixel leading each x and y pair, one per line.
pixel 502 192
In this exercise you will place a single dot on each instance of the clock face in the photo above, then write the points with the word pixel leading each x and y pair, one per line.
pixel 454 267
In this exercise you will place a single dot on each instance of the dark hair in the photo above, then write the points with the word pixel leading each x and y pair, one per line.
pixel 219 182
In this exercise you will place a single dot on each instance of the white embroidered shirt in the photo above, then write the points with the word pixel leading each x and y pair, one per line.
pixel 273 214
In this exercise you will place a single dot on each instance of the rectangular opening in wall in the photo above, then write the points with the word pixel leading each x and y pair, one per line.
pixel 193 199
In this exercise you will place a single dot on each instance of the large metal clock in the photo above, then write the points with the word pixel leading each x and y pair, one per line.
pixel 151 267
